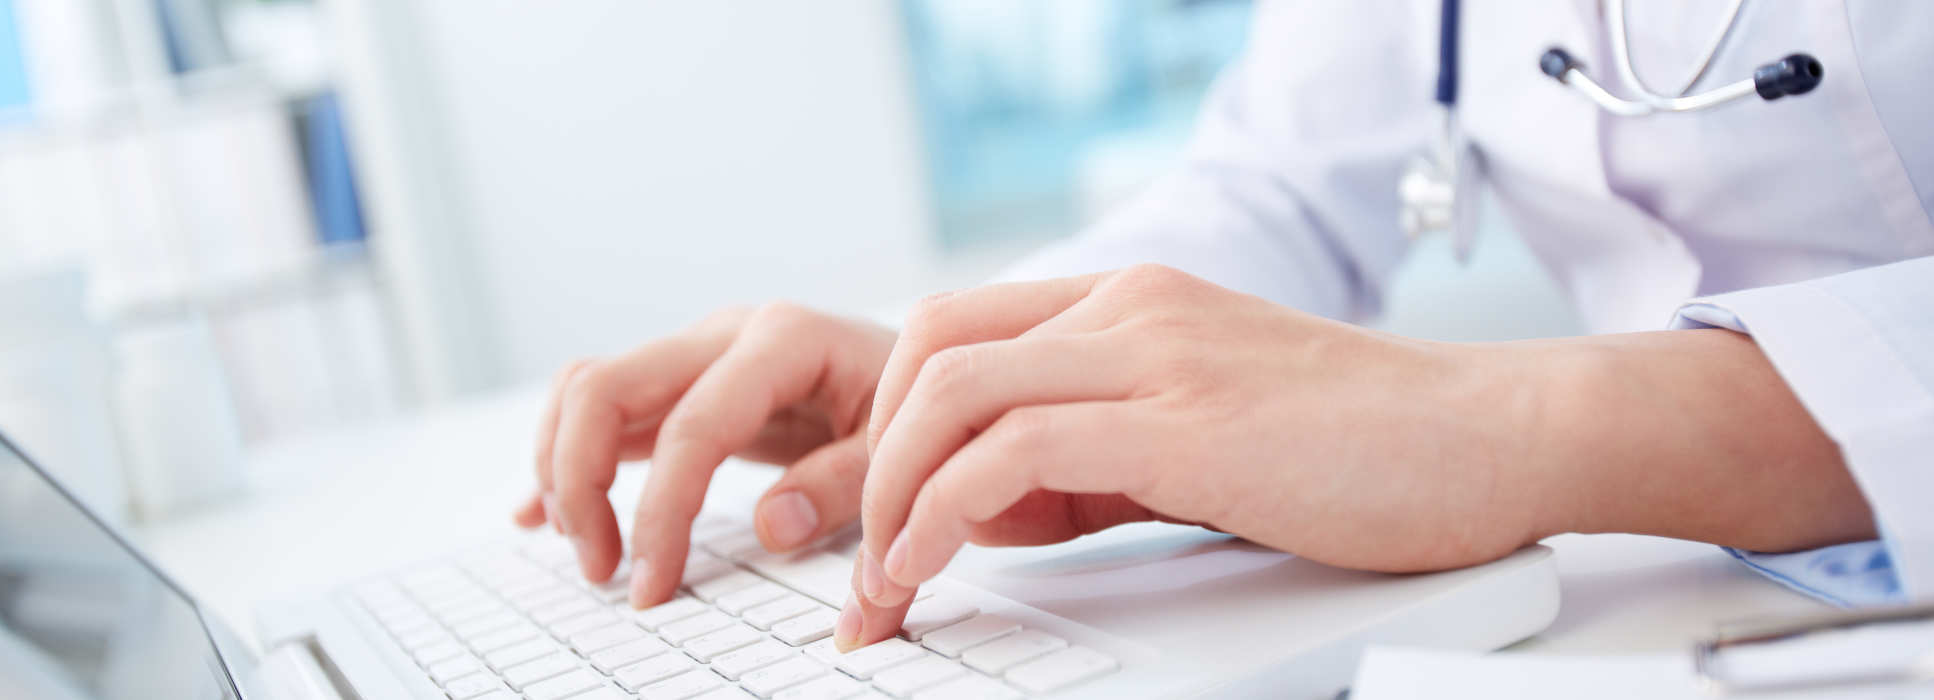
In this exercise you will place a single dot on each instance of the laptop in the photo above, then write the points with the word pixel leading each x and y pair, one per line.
pixel 1149 610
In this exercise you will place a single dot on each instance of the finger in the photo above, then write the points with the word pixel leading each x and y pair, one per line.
pixel 1048 517
pixel 1077 448
pixel 778 360
pixel 546 437
pixel 817 495
pixel 602 404
pixel 993 312
pixel 960 391
pixel 531 513
pixel 861 622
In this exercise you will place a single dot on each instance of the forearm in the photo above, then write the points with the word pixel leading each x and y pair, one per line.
pixel 1687 434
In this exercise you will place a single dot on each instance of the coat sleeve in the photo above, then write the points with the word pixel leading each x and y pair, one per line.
pixel 1858 350
pixel 1288 188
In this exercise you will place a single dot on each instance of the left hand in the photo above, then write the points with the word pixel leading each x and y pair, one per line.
pixel 1036 412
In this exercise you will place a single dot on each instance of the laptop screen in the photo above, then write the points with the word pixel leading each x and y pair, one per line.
pixel 81 616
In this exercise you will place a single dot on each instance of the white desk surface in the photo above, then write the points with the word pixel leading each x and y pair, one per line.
pixel 329 508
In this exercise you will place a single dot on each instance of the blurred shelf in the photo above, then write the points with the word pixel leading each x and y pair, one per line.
pixel 180 99
pixel 322 271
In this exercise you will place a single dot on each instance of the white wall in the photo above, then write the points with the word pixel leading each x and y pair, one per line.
pixel 624 166
pixel 606 170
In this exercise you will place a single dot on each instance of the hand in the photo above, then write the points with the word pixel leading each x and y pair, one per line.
pixel 1146 393
pixel 1052 409
pixel 781 385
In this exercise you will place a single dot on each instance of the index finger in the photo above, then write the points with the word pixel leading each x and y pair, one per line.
pixel 980 314
pixel 599 403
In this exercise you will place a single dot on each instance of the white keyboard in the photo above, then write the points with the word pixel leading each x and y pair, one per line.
pixel 520 622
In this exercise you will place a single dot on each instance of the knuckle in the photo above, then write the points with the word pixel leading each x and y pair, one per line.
pixel 949 369
pixel 928 313
pixel 570 369
pixel 1022 431
pixel 689 427
pixel 726 316
pixel 781 316
pixel 585 387
pixel 1147 278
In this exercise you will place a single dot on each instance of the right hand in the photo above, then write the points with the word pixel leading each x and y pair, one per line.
pixel 779 384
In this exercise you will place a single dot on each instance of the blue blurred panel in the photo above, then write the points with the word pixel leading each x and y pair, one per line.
pixel 1016 96
pixel 332 177
pixel 13 71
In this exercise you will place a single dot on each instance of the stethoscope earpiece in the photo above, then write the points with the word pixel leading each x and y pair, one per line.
pixel 1797 74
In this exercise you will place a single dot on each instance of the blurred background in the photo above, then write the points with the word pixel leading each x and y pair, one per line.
pixel 228 222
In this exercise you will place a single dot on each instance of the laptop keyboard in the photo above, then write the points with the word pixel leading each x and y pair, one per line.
pixel 520 622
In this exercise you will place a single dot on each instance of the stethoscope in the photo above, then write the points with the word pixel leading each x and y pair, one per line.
pixel 1431 198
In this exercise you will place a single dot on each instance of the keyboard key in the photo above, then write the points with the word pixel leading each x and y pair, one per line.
pixel 587 643
pixel 765 653
pixel 668 612
pixel 519 653
pixel 439 651
pixel 469 611
pixel 980 629
pixel 504 637
pixel 725 693
pixel 824 651
pixel 652 670
pixel 996 656
pixel 701 566
pixel 549 551
pixel 472 629
pixel 733 545
pixel 824 577
pixel 692 627
pixel 1060 669
pixel 863 662
pixel 563 686
pixel 573 626
pixel 969 687
pixel 627 654
pixel 603 692
pixel 711 589
pixel 931 669
pixel 614 591
pixel 423 637
pixel 790 605
pixel 810 627
pixel 711 644
pixel 831 686
pixel 451 669
pixel 570 607
pixel 546 596
pixel 772 679
pixel 472 686
pixel 739 601
pixel 681 686
pixel 498 695
pixel 539 669
pixel 934 613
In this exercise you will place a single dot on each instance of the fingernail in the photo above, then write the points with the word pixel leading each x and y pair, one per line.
pixel 896 557
pixel 640 577
pixel 846 632
pixel 790 519
pixel 872 581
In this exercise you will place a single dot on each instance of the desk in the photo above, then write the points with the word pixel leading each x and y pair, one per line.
pixel 327 508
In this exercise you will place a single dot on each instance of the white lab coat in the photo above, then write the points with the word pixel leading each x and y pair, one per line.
pixel 1804 222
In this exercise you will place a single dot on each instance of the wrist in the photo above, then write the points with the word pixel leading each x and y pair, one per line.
pixel 1550 408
